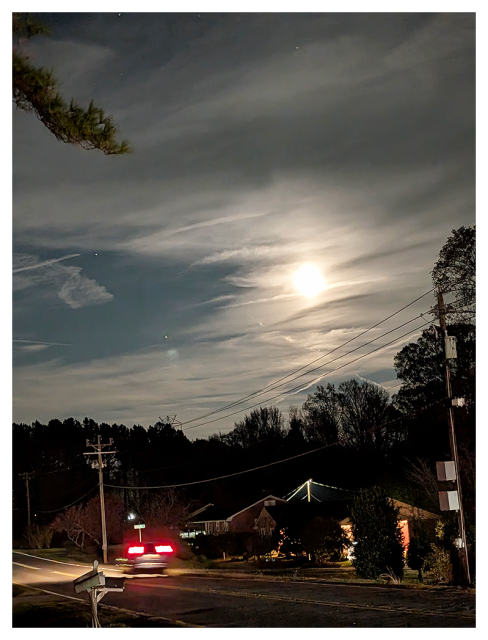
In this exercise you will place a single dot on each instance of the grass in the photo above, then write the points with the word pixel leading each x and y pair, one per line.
pixel 67 613
pixel 62 554
pixel 57 612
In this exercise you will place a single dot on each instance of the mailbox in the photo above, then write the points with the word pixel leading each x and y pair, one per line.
pixel 98 582
pixel 89 580
pixel 97 585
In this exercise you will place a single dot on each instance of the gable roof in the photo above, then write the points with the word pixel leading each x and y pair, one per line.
pixel 209 513
pixel 302 512
pixel 270 497
pixel 406 512
pixel 318 493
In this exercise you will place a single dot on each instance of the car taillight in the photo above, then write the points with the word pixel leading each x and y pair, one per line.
pixel 135 550
pixel 163 548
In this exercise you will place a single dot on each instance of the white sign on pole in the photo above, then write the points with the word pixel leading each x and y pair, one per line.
pixel 139 526
pixel 449 500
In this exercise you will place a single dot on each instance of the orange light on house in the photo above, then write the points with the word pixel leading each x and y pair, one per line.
pixel 347 528
pixel 403 524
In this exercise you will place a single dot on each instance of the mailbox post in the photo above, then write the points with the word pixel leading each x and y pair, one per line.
pixel 97 585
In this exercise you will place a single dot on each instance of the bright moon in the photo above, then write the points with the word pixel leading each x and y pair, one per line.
pixel 309 281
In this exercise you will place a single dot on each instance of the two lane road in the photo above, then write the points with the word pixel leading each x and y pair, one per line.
pixel 236 602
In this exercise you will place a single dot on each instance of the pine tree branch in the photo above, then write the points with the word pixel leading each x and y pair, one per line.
pixel 35 89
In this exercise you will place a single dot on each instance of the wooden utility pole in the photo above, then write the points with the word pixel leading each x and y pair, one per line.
pixel 26 476
pixel 99 464
pixel 441 308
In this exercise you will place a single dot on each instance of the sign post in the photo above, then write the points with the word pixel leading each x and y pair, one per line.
pixel 140 526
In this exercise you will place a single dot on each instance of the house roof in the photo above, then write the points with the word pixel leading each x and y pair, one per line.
pixel 209 513
pixel 298 511
pixel 270 497
pixel 318 493
pixel 406 512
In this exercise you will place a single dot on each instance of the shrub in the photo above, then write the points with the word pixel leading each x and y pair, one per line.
pixel 324 539
pixel 377 535
pixel 39 536
pixel 438 565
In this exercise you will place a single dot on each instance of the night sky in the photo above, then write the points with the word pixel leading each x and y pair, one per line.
pixel 162 282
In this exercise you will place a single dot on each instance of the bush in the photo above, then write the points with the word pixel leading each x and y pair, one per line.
pixel 39 536
pixel 377 535
pixel 324 539
pixel 438 565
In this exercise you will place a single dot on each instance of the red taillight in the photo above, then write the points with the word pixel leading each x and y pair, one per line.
pixel 135 550
pixel 163 548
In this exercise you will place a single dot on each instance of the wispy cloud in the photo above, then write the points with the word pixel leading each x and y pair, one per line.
pixel 45 263
pixel 40 342
pixel 281 296
pixel 69 283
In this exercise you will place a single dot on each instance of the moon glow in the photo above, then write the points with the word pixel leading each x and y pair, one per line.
pixel 308 280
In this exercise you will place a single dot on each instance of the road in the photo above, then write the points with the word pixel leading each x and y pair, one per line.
pixel 250 602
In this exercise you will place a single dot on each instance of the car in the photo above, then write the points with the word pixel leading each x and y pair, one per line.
pixel 147 557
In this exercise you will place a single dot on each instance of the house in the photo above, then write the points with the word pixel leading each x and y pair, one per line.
pixel 407 516
pixel 297 508
pixel 212 520
pixel 209 520
pixel 245 519
pixel 303 504
pixel 313 499
pixel 297 514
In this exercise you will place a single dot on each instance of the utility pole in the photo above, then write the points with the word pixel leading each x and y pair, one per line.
pixel 441 309
pixel 99 464
pixel 26 476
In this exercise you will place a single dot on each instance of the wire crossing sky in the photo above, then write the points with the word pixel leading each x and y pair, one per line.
pixel 292 179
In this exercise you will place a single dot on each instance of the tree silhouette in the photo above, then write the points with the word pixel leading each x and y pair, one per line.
pixel 35 89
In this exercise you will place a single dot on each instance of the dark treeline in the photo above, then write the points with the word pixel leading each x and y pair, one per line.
pixel 337 421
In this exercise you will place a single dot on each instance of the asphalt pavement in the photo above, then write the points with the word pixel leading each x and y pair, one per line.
pixel 240 600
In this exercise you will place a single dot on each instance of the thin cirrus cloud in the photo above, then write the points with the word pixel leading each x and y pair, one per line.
pixel 49 276
pixel 39 265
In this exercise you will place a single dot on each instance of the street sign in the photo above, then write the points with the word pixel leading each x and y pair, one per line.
pixel 139 526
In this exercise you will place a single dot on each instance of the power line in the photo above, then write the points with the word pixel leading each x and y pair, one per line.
pixel 77 486
pixel 68 505
pixel 273 384
pixel 270 464
pixel 328 372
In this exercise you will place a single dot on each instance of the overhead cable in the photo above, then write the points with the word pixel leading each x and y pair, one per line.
pixel 272 385
pixel 297 388
pixel 68 505
pixel 270 464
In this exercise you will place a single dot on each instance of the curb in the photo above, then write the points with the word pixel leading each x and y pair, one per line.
pixel 222 573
